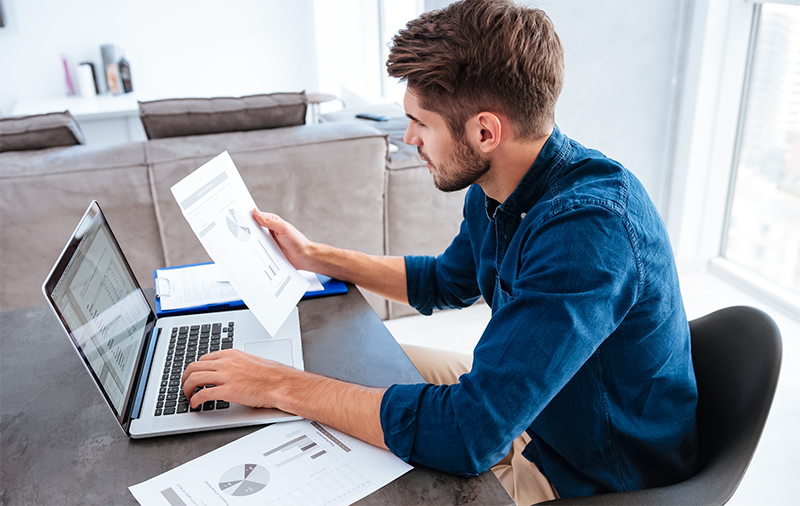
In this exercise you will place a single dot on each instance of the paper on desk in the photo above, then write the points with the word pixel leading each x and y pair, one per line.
pixel 206 285
pixel 300 462
pixel 197 285
pixel 218 206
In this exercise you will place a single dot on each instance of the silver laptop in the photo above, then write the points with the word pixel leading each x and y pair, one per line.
pixel 135 359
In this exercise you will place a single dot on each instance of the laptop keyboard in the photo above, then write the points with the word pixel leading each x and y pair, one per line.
pixel 187 344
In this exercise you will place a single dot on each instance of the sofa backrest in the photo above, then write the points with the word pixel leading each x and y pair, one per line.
pixel 327 179
pixel 43 195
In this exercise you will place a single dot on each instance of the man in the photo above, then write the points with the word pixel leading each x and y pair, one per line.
pixel 583 376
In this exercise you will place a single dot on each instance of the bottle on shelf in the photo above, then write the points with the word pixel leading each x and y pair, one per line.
pixel 109 53
pixel 125 75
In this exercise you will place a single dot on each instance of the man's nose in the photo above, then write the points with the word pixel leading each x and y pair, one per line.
pixel 410 136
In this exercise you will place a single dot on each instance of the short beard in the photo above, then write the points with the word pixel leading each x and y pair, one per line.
pixel 462 169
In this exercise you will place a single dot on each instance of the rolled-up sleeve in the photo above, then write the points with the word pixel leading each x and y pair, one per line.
pixel 446 281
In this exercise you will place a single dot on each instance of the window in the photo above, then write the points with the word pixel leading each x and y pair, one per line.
pixel 763 224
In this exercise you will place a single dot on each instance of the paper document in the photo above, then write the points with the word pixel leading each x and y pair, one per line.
pixel 314 284
pixel 205 285
pixel 198 285
pixel 219 208
pixel 288 463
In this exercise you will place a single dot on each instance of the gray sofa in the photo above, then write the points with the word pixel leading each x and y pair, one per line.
pixel 336 181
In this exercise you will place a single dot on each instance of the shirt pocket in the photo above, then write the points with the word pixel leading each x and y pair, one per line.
pixel 502 295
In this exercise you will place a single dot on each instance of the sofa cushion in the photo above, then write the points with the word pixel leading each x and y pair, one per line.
pixel 196 116
pixel 39 132
pixel 44 193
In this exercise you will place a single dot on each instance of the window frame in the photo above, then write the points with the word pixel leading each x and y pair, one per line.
pixel 740 123
pixel 719 62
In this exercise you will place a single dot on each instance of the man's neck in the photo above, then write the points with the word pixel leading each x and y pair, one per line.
pixel 510 163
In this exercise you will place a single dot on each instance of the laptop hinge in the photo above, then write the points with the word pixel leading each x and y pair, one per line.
pixel 144 375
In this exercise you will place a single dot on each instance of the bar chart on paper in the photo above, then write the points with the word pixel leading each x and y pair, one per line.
pixel 272 267
pixel 300 462
pixel 311 457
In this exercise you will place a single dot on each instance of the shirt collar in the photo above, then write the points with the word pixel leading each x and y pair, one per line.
pixel 535 182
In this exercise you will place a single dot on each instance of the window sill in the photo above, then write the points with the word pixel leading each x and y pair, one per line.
pixel 758 285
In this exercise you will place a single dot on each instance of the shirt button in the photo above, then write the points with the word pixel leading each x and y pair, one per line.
pixel 523 215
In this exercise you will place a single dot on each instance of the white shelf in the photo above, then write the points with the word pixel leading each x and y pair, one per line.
pixel 104 119
pixel 98 107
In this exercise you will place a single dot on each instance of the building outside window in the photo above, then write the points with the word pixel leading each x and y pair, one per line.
pixel 763 226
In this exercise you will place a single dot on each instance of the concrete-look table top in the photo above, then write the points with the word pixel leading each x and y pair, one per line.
pixel 60 443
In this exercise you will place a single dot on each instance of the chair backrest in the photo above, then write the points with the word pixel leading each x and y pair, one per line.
pixel 737 358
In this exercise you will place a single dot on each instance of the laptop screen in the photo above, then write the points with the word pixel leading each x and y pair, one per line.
pixel 97 298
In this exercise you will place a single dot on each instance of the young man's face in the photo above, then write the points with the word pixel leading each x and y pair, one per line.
pixel 454 163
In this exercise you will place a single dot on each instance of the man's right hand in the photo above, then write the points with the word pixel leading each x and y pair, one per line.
pixel 383 275
pixel 295 246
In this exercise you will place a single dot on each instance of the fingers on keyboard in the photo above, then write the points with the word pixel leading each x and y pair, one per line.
pixel 186 345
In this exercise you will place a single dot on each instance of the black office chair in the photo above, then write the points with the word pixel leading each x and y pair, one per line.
pixel 737 358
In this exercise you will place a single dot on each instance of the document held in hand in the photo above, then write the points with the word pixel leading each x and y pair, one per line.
pixel 219 208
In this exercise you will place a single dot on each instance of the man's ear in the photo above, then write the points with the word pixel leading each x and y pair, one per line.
pixel 486 129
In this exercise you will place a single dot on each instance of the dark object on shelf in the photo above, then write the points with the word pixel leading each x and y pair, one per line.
pixel 125 75
pixel 373 117
pixel 94 76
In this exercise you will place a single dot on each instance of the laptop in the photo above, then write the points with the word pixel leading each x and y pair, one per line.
pixel 136 359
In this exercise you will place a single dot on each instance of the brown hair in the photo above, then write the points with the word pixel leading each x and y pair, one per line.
pixel 483 55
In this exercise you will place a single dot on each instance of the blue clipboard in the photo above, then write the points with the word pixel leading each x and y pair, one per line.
pixel 330 286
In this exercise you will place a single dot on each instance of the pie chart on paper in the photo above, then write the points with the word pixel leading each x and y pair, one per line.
pixel 243 480
pixel 233 220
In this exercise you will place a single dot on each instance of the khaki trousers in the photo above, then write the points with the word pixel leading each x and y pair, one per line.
pixel 520 477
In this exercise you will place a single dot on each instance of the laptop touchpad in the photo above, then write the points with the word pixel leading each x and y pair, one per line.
pixel 279 350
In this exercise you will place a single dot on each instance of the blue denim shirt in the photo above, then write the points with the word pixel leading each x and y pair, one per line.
pixel 588 346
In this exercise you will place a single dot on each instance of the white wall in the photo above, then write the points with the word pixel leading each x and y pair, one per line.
pixel 348 51
pixel 623 67
pixel 395 14
pixel 620 95
pixel 176 48
pixel 352 47
pixel 625 61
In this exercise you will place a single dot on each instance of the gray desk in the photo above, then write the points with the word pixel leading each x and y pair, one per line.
pixel 59 443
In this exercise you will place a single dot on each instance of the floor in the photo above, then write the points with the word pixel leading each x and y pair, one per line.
pixel 773 477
